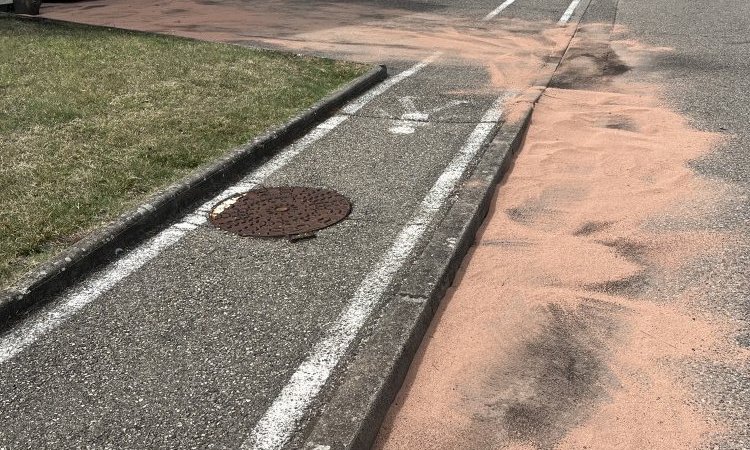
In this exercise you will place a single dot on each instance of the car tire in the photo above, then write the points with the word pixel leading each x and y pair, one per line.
pixel 27 6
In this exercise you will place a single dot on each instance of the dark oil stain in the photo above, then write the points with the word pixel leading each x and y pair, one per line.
pixel 613 65
pixel 524 422
pixel 592 227
pixel 529 214
pixel 556 377
pixel 544 207
pixel 630 286
pixel 517 214
pixel 629 249
pixel 588 64
pixel 526 214
pixel 620 123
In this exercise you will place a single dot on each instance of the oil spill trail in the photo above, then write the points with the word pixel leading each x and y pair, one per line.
pixel 555 377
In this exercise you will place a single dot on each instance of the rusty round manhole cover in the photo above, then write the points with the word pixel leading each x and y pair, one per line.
pixel 280 211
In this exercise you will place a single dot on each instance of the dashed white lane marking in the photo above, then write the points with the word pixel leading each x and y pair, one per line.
pixel 280 421
pixel 569 12
pixel 498 10
pixel 24 335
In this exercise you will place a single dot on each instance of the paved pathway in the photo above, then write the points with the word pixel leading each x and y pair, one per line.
pixel 201 339
pixel 605 304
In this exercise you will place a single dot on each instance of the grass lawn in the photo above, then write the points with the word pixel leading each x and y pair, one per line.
pixel 94 120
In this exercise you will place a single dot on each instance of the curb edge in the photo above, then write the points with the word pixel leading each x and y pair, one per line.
pixel 102 245
pixel 352 417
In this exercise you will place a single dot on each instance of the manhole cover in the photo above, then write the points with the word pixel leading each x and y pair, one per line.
pixel 280 211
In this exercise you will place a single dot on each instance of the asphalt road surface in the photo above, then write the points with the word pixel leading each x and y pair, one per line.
pixel 202 339
pixel 707 73
pixel 532 349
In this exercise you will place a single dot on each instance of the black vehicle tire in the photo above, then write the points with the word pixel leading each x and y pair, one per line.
pixel 27 6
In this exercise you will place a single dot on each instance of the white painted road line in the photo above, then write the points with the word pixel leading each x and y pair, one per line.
pixel 71 302
pixel 498 10
pixel 569 12
pixel 356 105
pixel 281 420
pixel 21 337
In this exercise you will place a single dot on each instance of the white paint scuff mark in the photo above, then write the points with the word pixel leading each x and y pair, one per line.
pixel 221 207
pixel 494 13
pixel 569 12
pixel 356 105
pixel 98 284
pixel 413 118
pixel 280 421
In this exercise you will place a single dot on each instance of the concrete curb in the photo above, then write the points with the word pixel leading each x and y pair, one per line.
pixel 132 227
pixel 360 399
pixel 352 417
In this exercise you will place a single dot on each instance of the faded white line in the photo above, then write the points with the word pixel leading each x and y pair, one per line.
pixel 281 420
pixel 356 105
pixel 498 10
pixel 569 12
pixel 25 334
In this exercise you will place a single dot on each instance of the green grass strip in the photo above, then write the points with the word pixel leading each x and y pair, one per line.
pixel 94 120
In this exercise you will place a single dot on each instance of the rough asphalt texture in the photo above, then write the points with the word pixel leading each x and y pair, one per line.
pixel 189 351
pixel 708 71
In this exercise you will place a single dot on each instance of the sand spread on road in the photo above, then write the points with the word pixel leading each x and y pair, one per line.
pixel 512 51
pixel 569 321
